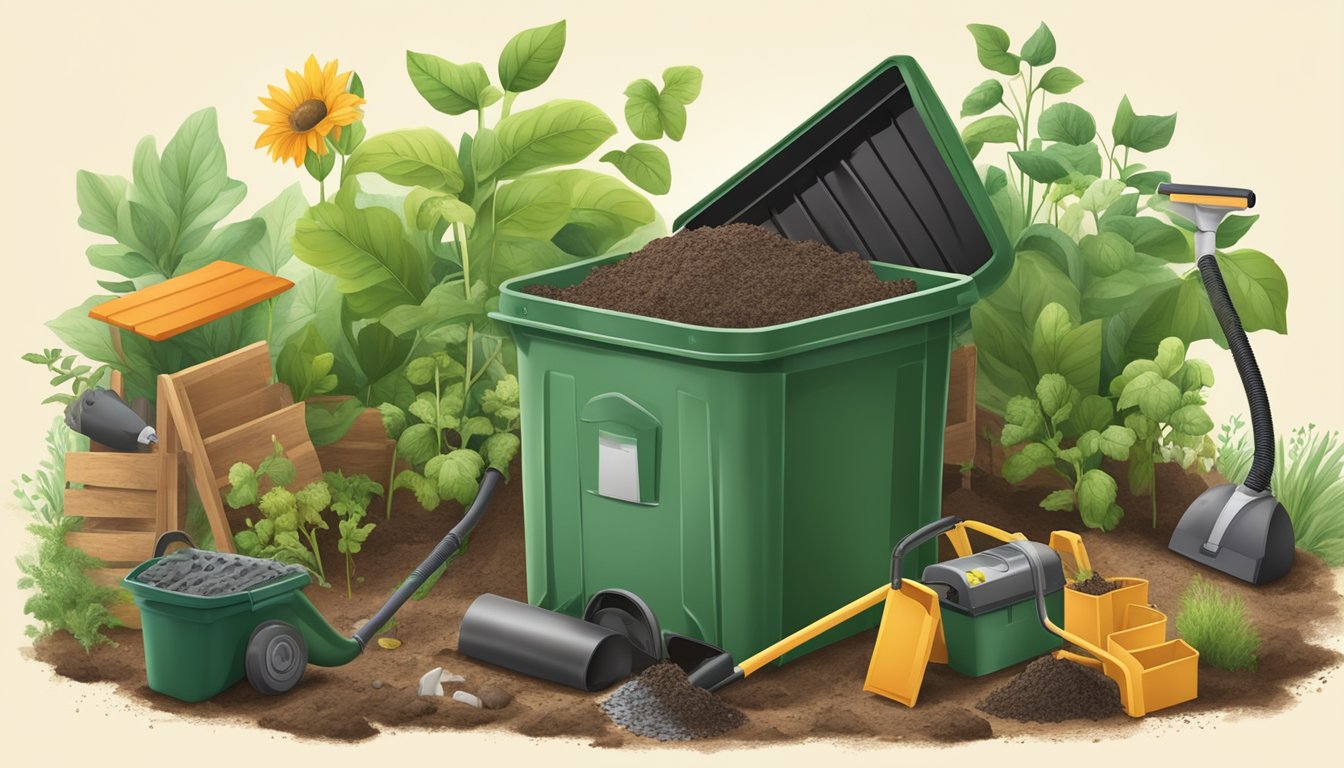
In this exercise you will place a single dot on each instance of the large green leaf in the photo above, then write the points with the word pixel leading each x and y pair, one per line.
pixel 603 212
pixel 1074 352
pixel 682 83
pixel 1058 247
pixel 1026 462
pixel 641 110
pixel 1059 80
pixel 530 57
pixel 195 179
pixel 232 242
pixel 1142 133
pixel 645 165
pixel 1084 158
pixel 410 157
pixel 982 98
pixel 673 114
pixel 453 89
pixel 99 197
pixel 1150 237
pixel 1233 228
pixel 444 303
pixel 1107 253
pixel 533 207
pixel 1258 289
pixel 1101 194
pixel 514 256
pixel 366 250
pixel 379 351
pixel 995 129
pixel 991 48
pixel 273 250
pixel 1068 123
pixel 558 132
pixel 1096 500
pixel 1137 286
pixel 1039 49
pixel 1039 166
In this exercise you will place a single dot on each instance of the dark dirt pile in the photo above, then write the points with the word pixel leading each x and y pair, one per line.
pixel 1053 690
pixel 736 276
pixel 208 574
pixel 662 704
pixel 1095 585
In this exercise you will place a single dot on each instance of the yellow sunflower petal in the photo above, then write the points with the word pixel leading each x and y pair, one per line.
pixel 312 74
pixel 271 117
pixel 286 99
pixel 298 86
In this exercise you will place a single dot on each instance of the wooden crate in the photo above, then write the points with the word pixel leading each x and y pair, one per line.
pixel 364 450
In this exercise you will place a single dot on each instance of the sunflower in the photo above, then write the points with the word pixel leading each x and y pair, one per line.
pixel 316 105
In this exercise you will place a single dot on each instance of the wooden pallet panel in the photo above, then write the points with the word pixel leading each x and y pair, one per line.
pixel 92 501
pixel 115 547
pixel 251 442
pixel 218 381
pixel 251 405
pixel 135 471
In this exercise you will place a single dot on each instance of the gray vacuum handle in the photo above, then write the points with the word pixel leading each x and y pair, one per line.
pixel 1037 579
pixel 913 540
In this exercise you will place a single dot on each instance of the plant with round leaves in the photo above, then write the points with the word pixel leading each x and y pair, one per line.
pixel 290 519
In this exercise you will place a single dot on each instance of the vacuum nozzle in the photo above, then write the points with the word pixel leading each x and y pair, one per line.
pixel 1234 198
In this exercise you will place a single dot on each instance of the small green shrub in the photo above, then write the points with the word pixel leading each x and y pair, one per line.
pixel 65 598
pixel 1215 623
pixel 287 530
pixel 350 497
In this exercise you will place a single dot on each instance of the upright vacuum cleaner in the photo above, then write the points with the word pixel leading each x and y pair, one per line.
pixel 1240 530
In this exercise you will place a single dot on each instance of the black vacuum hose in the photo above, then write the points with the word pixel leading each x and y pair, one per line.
pixel 438 557
pixel 1262 423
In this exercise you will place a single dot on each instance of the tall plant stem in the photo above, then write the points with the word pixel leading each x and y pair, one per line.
pixel 438 409
pixel 460 233
pixel 507 107
pixel 321 190
pixel 391 476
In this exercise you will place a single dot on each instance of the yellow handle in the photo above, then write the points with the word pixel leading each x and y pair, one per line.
pixel 815 628
pixel 1070 543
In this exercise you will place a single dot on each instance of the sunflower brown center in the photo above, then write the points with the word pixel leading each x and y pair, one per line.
pixel 307 115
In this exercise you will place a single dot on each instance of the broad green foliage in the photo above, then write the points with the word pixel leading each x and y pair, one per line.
pixel 1090 233
pixel 290 519
pixel 66 369
pixel 350 497
pixel 416 273
pixel 165 221
pixel 1308 480
pixel 1216 624
pixel 64 598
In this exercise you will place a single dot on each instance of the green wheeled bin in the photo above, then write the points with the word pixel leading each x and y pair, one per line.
pixel 746 481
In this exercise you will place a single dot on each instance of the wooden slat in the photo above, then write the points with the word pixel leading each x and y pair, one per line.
pixel 200 312
pixel 127 614
pixel 244 408
pixel 108 311
pixel 307 466
pixel 215 382
pixel 119 524
pixel 171 391
pixel 137 471
pixel 126 548
pixel 961 386
pixel 108 577
pixel 170 504
pixel 251 442
pixel 182 303
pixel 111 502
pixel 959 443
pixel 372 459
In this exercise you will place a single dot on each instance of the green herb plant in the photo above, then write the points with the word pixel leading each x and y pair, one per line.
pixel 1090 233
pixel 1308 480
pixel 1215 623
pixel 66 369
pixel 290 520
pixel 65 598
pixel 1162 402
pixel 350 497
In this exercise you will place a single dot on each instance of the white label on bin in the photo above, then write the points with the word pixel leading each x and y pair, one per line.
pixel 617 467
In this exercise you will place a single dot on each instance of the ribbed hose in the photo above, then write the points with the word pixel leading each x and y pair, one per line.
pixel 1262 424
pixel 445 549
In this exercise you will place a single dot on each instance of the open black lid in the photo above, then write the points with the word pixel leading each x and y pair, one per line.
pixel 880 171
pixel 625 612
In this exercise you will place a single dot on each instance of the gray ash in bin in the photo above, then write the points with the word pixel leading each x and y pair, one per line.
pixel 661 703
pixel 209 574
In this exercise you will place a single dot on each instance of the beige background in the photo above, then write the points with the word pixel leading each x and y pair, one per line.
pixel 1258 87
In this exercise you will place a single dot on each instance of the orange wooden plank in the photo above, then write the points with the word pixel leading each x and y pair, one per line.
pixel 203 312
pixel 212 271
pixel 185 300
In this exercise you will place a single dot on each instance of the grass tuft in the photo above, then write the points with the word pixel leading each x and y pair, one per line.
pixel 1215 623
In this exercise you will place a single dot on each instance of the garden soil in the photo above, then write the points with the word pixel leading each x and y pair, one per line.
pixel 734 276
pixel 819 696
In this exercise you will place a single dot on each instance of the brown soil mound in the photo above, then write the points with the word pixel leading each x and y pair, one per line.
pixel 1094 585
pixel 1053 690
pixel 661 703
pixel 736 276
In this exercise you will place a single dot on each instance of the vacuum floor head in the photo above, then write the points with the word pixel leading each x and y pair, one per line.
pixel 1239 532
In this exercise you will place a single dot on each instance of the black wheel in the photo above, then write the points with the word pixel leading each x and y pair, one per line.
pixel 276 656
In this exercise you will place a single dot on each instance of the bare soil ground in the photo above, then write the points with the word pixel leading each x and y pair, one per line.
pixel 819 696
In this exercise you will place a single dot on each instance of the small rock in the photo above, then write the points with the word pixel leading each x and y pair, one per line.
pixel 494 697
pixel 448 677
pixel 466 698
pixel 377 684
pixel 431 683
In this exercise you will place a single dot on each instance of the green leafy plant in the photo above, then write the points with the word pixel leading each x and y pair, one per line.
pixel 65 598
pixel 163 222
pixel 1089 231
pixel 350 497
pixel 290 520
pixel 1041 425
pixel 1308 481
pixel 65 369
pixel 1215 623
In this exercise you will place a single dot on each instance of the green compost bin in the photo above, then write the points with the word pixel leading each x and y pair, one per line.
pixel 746 482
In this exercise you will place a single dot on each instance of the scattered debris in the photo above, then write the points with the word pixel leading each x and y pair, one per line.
pixel 431 683
pixel 359 624
pixel 449 677
pixel 494 697
pixel 661 703
pixel 199 572
pixel 471 700
pixel 377 684
pixel 1052 690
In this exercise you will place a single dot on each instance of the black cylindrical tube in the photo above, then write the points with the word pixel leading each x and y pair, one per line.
pixel 1262 423
pixel 544 644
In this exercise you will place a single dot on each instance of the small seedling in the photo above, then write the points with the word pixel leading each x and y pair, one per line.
pixel 286 515
pixel 1081 575
pixel 1215 623
pixel 350 497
